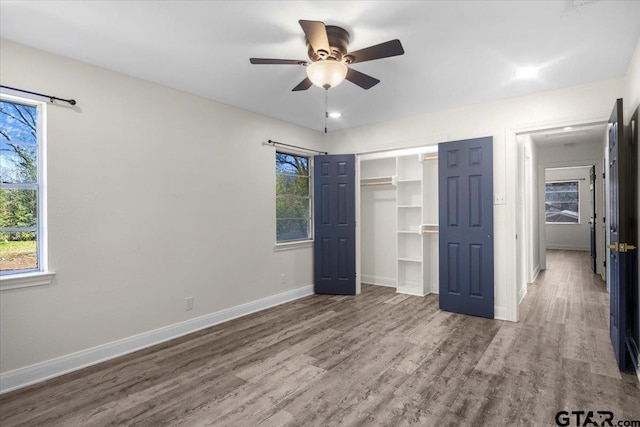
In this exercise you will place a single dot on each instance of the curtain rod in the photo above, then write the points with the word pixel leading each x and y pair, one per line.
pixel 51 98
pixel 274 143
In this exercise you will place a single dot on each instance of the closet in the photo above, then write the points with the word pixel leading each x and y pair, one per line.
pixel 399 220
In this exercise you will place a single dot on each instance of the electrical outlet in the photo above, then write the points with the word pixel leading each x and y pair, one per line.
pixel 283 279
pixel 188 304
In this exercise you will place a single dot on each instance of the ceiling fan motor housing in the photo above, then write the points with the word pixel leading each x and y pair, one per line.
pixel 338 42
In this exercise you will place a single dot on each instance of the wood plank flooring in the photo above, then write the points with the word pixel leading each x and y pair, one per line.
pixel 380 359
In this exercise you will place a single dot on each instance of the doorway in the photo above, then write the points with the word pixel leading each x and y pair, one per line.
pixel 397 211
pixel 557 159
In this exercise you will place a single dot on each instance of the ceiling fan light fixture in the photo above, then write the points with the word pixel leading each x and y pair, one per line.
pixel 327 73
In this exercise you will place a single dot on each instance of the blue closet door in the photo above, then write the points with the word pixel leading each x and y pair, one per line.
pixel 465 191
pixel 335 225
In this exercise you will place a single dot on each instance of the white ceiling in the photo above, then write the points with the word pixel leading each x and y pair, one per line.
pixel 457 52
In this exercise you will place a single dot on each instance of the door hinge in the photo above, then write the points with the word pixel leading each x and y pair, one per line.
pixel 621 247
pixel 603 175
pixel 604 264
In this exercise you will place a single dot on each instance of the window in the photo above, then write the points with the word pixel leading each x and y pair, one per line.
pixel 293 198
pixel 21 198
pixel 562 202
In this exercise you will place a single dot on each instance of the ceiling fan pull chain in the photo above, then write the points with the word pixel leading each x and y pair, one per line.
pixel 326 108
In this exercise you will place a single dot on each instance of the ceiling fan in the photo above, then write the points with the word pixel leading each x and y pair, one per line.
pixel 329 60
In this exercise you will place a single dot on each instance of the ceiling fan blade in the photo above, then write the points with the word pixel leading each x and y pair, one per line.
pixel 382 50
pixel 363 80
pixel 303 85
pixel 317 35
pixel 277 61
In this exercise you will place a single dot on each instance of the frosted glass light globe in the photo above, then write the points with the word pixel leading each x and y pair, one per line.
pixel 327 73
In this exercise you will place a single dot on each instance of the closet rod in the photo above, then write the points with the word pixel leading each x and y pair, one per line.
pixel 51 97
pixel 430 232
pixel 274 143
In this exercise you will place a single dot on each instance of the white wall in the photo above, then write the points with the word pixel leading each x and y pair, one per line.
pixel 566 106
pixel 572 236
pixel 378 223
pixel 632 84
pixel 378 235
pixel 154 195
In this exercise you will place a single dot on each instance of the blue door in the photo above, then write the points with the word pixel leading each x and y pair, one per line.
pixel 465 192
pixel 335 225
pixel 622 232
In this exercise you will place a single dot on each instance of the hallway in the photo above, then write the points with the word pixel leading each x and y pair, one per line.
pixel 564 326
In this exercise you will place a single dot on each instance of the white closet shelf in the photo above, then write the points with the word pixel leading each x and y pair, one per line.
pixel 424 157
pixel 429 229
pixel 417 232
pixel 409 206
pixel 379 180
pixel 410 259
pixel 409 180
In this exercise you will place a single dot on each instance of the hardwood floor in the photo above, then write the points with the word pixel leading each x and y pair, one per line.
pixel 377 359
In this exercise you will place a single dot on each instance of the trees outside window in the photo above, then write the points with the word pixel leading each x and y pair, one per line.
pixel 19 187
pixel 293 198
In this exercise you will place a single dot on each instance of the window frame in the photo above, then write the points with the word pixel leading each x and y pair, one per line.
pixel 40 275
pixel 572 180
pixel 307 241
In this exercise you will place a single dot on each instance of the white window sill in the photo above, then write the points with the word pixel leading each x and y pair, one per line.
pixel 292 245
pixel 25 280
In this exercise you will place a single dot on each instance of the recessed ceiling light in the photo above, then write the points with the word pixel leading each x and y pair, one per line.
pixel 335 115
pixel 527 73
pixel 568 128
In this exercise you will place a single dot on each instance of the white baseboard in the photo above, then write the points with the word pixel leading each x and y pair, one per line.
pixel 569 247
pixel 522 293
pixel 435 288
pixel 500 313
pixel 536 271
pixel 379 280
pixel 22 377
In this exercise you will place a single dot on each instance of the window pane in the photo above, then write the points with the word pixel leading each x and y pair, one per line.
pixel 18 208
pixel 288 163
pixel 292 197
pixel 19 154
pixel 18 251
pixel 292 208
pixel 292 229
pixel 18 122
pixel 18 163
pixel 562 202
pixel 292 184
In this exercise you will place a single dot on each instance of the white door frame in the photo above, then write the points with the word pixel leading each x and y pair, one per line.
pixel 512 303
